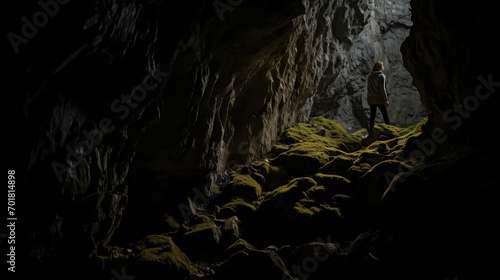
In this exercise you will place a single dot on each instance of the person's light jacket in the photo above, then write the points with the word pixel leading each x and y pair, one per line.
pixel 375 85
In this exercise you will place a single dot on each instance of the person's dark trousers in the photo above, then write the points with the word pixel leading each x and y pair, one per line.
pixel 373 114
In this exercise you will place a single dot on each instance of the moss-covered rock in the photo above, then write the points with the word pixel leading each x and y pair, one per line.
pixel 297 210
pixel 237 206
pixel 278 149
pixel 201 239
pixel 274 176
pixel 329 185
pixel 244 185
pixel 286 194
pixel 383 131
pixel 320 130
pixel 159 255
pixel 360 134
pixel 240 245
pixel 303 159
pixel 311 207
pixel 338 165
pixel 245 261
pixel 312 145
pixel 320 179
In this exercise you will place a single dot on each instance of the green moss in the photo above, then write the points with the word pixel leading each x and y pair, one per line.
pixel 320 130
pixel 360 134
pixel 160 252
pixel 238 205
pixel 305 158
pixel 331 180
pixel 295 198
pixel 341 196
pixel 278 149
pixel 370 157
pixel 302 210
pixel 244 185
pixel 202 223
pixel 259 178
pixel 275 176
pixel 293 188
pixel 384 131
pixel 312 145
pixel 171 221
pixel 331 186
pixel 316 189
pixel 408 125
pixel 357 170
pixel 339 165
pixel 241 245
pixel 201 227
pixel 309 207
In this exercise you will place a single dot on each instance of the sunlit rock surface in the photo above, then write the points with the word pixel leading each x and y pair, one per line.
pixel 386 25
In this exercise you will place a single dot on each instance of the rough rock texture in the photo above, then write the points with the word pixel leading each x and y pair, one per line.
pixel 386 26
pixel 170 86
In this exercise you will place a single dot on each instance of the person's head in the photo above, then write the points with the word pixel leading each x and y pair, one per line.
pixel 378 66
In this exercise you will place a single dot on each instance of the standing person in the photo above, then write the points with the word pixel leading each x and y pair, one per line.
pixel 377 94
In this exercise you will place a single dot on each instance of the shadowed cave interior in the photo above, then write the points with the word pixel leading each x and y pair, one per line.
pixel 227 139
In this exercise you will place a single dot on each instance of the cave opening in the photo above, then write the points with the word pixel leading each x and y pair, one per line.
pixel 386 24
pixel 125 121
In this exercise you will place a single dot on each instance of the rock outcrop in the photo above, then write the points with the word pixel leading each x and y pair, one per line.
pixel 452 61
pixel 257 224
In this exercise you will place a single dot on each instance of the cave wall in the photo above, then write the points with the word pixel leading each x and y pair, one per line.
pixel 142 92
pixel 212 120
pixel 279 58
pixel 452 56
pixel 387 25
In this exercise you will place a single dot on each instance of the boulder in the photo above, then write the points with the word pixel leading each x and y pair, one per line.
pixel 159 255
pixel 243 185
pixel 245 261
pixel 202 239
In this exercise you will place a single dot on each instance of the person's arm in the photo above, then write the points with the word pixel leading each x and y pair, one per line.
pixel 383 90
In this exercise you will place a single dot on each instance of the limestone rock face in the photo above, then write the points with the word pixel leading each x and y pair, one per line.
pixel 254 74
pixel 386 26
pixel 146 94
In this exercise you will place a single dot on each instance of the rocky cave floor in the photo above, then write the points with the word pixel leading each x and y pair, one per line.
pixel 323 204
